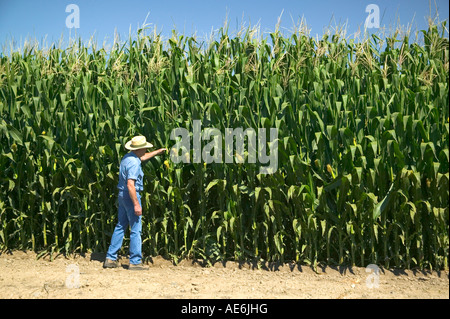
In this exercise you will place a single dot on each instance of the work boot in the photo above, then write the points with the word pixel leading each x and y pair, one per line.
pixel 110 263
pixel 137 267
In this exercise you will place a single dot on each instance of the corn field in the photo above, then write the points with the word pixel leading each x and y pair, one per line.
pixel 363 147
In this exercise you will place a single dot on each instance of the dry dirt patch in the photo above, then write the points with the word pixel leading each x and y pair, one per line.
pixel 23 276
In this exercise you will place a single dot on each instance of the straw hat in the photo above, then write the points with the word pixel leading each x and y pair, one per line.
pixel 137 142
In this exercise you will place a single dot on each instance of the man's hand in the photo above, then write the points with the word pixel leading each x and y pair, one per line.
pixel 161 150
pixel 137 209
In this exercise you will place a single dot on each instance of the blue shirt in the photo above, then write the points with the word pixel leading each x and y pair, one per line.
pixel 130 168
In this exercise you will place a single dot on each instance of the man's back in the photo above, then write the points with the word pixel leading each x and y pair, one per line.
pixel 130 168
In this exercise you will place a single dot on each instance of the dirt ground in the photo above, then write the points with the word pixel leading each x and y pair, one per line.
pixel 23 276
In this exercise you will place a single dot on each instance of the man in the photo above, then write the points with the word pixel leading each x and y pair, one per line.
pixel 130 209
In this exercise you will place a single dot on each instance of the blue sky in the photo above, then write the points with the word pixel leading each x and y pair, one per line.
pixel 38 19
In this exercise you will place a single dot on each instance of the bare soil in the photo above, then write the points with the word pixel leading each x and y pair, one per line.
pixel 24 276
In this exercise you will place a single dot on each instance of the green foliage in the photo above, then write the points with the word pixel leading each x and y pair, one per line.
pixel 363 131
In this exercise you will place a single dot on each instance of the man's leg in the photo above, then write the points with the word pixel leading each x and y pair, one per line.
pixel 135 235
pixel 117 237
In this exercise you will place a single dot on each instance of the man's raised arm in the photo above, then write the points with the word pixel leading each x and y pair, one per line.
pixel 149 155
